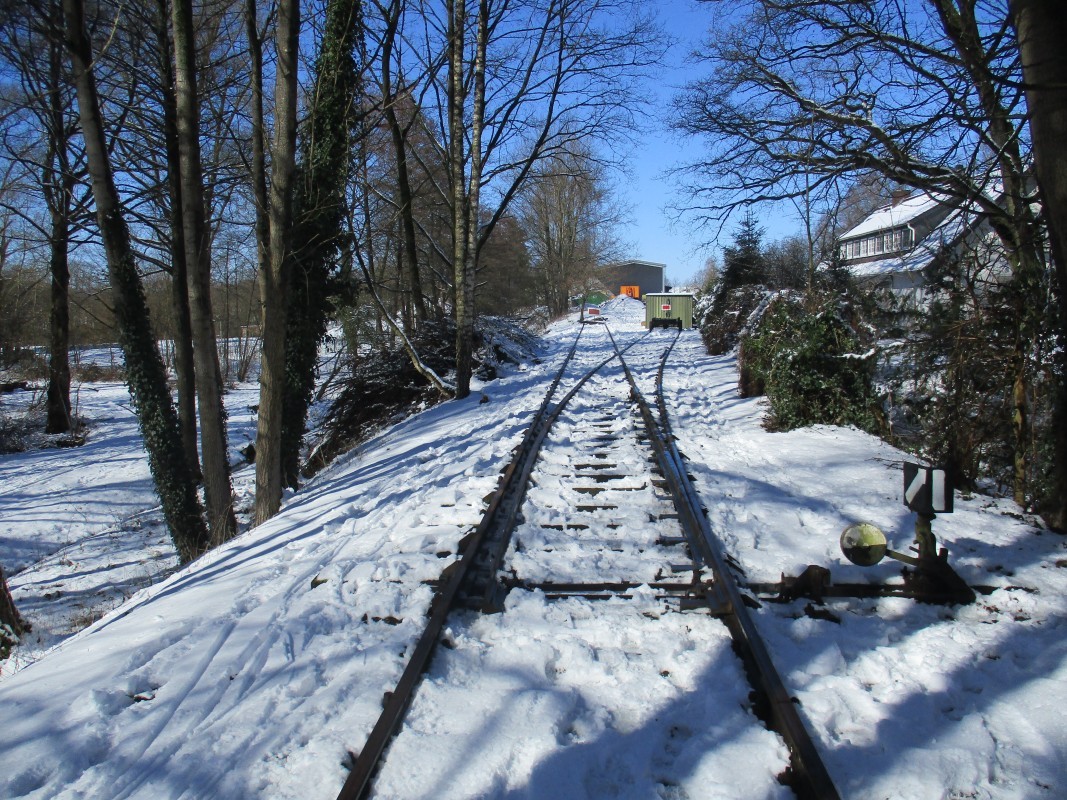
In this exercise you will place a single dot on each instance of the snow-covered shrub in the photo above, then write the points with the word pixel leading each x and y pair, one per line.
pixel 384 387
pixel 812 364
pixel 504 340
pixel 725 316
pixel 949 378
pixel 701 308
pixel 760 340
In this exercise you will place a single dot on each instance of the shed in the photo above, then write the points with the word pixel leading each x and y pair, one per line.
pixel 634 278
pixel 669 310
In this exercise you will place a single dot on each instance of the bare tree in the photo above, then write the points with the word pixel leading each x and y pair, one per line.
pixel 803 95
pixel 31 43
pixel 196 247
pixel 399 133
pixel 465 180
pixel 140 71
pixel 524 80
pixel 184 359
pixel 145 371
pixel 273 278
pixel 58 183
pixel 569 221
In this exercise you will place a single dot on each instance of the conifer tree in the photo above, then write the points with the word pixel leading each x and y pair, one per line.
pixel 744 262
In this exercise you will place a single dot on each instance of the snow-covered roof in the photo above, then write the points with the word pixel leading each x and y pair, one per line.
pixel 917 257
pixel 892 216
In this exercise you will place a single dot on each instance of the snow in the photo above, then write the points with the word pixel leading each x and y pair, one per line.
pixel 896 214
pixel 257 670
pixel 919 257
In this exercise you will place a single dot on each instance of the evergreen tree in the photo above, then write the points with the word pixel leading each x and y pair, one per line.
pixel 744 262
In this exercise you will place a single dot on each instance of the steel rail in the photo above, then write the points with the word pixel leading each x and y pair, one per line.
pixel 488 594
pixel 503 504
pixel 810 778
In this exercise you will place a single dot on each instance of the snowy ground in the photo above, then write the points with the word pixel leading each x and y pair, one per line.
pixel 256 671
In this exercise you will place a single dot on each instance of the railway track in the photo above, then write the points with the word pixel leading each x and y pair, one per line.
pixel 595 505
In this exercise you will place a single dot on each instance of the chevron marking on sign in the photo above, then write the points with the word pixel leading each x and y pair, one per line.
pixel 917 483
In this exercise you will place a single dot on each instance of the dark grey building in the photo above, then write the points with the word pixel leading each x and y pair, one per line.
pixel 634 278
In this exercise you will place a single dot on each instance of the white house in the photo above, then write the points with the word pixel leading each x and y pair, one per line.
pixel 895 243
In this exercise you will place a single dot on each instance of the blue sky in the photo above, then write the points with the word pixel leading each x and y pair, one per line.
pixel 655 233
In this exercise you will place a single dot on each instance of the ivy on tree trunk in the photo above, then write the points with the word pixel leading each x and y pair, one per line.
pixel 145 372
pixel 318 220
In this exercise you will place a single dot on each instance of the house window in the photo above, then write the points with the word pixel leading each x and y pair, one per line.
pixel 877 244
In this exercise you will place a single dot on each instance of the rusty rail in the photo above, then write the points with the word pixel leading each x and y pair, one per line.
pixel 810 777
pixel 501 512
pixel 472 581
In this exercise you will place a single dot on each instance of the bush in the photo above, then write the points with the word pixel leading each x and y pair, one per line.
pixel 725 315
pixel 812 365
pixel 24 362
pixel 12 438
pixel 385 387
pixel 756 352
pixel 950 386
pixel 100 373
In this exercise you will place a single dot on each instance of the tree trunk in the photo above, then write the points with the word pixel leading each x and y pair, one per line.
pixel 145 371
pixel 259 146
pixel 183 334
pixel 58 398
pixel 273 281
pixel 473 202
pixel 12 626
pixel 1016 226
pixel 59 188
pixel 319 220
pixel 218 491
pixel 465 188
pixel 457 174
pixel 1041 28
pixel 403 178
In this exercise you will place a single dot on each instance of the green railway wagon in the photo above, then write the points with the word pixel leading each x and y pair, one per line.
pixel 669 310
